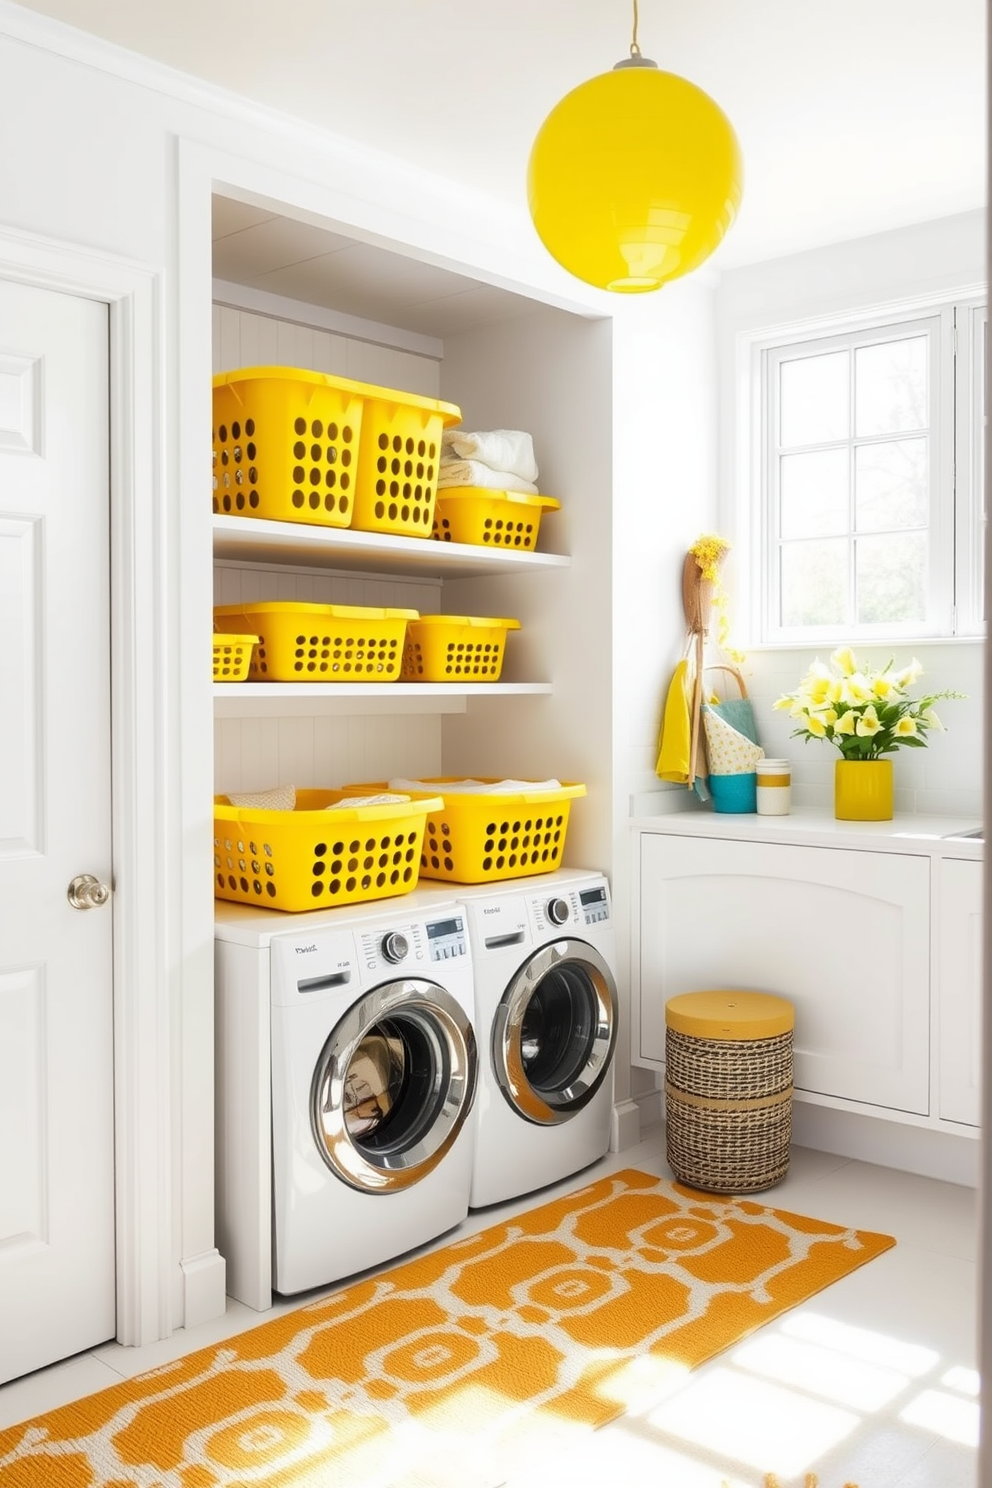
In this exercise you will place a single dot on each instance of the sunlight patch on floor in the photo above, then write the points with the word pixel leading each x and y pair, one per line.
pixel 821 1371
pixel 967 1381
pixel 947 1415
pixel 643 1382
pixel 861 1343
pixel 754 1421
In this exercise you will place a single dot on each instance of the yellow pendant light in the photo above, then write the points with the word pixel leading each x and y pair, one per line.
pixel 634 177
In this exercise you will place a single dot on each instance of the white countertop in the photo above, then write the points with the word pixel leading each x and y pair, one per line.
pixel 812 826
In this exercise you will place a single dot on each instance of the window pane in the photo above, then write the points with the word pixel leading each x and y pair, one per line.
pixel 814 583
pixel 891 485
pixel 815 401
pixel 890 574
pixel 814 493
pixel 890 382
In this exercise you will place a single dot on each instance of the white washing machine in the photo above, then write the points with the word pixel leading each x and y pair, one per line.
pixel 546 1017
pixel 372 1073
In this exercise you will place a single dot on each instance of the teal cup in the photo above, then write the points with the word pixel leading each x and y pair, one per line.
pixel 734 792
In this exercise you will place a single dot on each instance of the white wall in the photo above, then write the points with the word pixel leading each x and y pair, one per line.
pixel 118 156
pixel 933 260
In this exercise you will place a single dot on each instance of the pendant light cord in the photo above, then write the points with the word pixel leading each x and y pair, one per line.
pixel 635 50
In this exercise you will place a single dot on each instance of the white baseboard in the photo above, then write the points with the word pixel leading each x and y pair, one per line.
pixel 891 1144
pixel 625 1126
pixel 204 1290
pixel 632 1118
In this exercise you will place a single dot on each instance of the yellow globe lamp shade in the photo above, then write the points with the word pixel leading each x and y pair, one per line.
pixel 634 178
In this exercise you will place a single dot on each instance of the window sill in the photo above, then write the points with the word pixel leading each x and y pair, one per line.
pixel 824 647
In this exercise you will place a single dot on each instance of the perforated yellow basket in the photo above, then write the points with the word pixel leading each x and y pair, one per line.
pixel 299 446
pixel 312 858
pixel 286 444
pixel 482 838
pixel 455 648
pixel 399 462
pixel 320 643
pixel 492 519
pixel 232 657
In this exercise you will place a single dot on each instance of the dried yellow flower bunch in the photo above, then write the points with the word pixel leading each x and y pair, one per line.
pixel 709 552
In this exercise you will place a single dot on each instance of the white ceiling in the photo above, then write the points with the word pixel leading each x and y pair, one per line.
pixel 854 116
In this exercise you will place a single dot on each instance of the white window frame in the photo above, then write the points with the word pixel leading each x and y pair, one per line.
pixel 971 328
pixel 955 606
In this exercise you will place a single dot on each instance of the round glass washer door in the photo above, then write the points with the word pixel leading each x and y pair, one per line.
pixel 555 1031
pixel 394 1085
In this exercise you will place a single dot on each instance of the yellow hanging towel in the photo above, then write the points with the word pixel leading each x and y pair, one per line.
pixel 676 729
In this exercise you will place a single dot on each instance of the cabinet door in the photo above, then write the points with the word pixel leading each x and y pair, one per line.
pixel 959 984
pixel 843 935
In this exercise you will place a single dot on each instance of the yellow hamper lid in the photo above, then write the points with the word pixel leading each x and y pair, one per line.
pixel 729 1015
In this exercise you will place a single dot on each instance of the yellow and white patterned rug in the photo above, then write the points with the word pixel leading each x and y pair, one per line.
pixel 456 1367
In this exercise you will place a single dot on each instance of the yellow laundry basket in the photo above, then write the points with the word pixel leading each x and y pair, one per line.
pixel 285 444
pixel 455 648
pixel 728 1089
pixel 480 837
pixel 299 446
pixel 399 462
pixel 315 858
pixel 320 643
pixel 492 519
pixel 232 657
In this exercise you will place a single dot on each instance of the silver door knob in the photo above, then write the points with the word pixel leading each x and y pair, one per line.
pixel 87 892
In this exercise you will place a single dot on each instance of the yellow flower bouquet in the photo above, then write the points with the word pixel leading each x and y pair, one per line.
pixel 864 713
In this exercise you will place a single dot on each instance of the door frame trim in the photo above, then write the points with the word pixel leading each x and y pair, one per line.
pixel 147 866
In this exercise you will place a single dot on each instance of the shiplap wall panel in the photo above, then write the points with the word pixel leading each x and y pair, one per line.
pixel 324 750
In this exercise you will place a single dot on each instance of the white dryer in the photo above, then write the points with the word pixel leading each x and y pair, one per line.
pixel 546 1016
pixel 373 1071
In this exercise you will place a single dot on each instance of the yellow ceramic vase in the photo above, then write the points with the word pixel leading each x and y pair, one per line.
pixel 863 790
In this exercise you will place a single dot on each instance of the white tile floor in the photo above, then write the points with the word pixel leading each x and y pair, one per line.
pixel 870 1383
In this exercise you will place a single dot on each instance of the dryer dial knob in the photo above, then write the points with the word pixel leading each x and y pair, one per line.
pixel 557 911
pixel 395 947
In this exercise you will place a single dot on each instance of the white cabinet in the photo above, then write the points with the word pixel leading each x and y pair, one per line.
pixel 843 934
pixel 959 981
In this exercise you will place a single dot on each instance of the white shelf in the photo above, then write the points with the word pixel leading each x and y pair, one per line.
pixel 253 540
pixel 304 699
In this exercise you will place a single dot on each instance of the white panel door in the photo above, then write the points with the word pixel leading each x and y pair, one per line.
pixel 959 990
pixel 57 1272
pixel 843 935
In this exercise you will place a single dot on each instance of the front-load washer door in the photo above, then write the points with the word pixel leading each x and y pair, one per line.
pixel 394 1085
pixel 554 1032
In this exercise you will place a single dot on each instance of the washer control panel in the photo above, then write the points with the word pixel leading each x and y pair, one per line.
pixel 582 905
pixel 446 938
pixel 394 945
pixel 594 904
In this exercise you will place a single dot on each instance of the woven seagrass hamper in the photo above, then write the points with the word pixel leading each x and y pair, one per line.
pixel 728 1089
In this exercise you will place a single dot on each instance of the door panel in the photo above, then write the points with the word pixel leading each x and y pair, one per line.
pixel 57 1273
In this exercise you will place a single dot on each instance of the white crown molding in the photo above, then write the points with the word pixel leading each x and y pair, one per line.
pixel 33 29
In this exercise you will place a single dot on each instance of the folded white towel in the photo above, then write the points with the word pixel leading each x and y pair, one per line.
pixel 280 798
pixel 476 787
pixel 475 473
pixel 500 449
pixel 384 798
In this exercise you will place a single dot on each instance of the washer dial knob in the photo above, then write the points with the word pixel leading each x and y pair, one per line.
pixel 557 911
pixel 395 947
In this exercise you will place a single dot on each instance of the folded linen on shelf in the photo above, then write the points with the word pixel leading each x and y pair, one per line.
pixel 475 787
pixel 501 449
pixel 384 798
pixel 280 798
pixel 475 473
